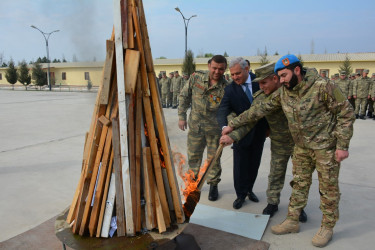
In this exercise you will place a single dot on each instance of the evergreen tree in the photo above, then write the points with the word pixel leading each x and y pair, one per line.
pixel 225 54
pixel 276 53
pixel 263 57
pixel 38 75
pixel 346 66
pixel 11 73
pixel 23 74
pixel 188 66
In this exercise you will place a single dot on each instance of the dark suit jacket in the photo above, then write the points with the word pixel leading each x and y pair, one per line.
pixel 235 100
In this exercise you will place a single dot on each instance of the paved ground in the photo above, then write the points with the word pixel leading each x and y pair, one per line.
pixel 41 146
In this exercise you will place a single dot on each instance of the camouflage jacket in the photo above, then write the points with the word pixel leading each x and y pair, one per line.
pixel 176 84
pixel 372 89
pixel 204 100
pixel 318 114
pixel 362 87
pixel 281 139
pixel 165 85
pixel 345 87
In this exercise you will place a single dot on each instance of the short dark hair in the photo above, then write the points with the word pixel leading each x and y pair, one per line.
pixel 248 62
pixel 219 59
pixel 295 65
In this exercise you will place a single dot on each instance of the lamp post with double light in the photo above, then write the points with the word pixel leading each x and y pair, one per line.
pixel 186 22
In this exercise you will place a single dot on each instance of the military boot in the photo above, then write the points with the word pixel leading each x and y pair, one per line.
pixel 356 116
pixel 213 194
pixel 369 114
pixel 270 209
pixel 322 237
pixel 288 226
pixel 362 117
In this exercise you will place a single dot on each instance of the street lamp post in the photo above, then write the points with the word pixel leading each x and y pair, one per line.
pixel 46 37
pixel 186 22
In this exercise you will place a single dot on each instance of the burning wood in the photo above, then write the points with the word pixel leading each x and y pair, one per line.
pixel 143 195
pixel 194 184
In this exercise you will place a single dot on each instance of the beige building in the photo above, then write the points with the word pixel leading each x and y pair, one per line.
pixel 79 73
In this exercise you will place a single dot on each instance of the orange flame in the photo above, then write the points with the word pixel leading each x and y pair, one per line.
pixel 190 180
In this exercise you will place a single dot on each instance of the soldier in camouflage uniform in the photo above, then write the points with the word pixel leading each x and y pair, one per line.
pixel 344 85
pixel 321 121
pixel 176 87
pixel 281 140
pixel 165 86
pixel 170 93
pixel 351 84
pixel 203 92
pixel 371 104
pixel 361 94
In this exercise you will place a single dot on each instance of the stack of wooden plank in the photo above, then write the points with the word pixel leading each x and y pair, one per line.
pixel 127 167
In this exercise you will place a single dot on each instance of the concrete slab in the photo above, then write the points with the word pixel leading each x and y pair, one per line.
pixel 41 146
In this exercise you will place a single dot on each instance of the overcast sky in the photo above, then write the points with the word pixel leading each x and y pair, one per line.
pixel 239 27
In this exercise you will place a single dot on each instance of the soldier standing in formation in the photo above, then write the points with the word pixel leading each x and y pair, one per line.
pixel 203 92
pixel 281 140
pixel 352 81
pixel 170 92
pixel 176 87
pixel 370 102
pixel 344 85
pixel 361 94
pixel 165 86
pixel 321 121
pixel 372 92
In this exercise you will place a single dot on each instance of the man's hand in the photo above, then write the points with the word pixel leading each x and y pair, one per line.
pixel 182 125
pixel 341 155
pixel 373 98
pixel 349 97
pixel 226 140
pixel 226 130
pixel 354 96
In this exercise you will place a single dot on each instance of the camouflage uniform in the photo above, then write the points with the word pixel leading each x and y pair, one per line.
pixel 203 127
pixel 373 95
pixel 371 103
pixel 281 148
pixel 344 86
pixel 165 86
pixel 351 87
pixel 170 93
pixel 320 120
pixel 361 90
pixel 176 87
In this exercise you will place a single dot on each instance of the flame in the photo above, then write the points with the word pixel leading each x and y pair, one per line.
pixel 190 180
pixel 162 162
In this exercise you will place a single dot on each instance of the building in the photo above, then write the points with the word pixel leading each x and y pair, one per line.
pixel 78 73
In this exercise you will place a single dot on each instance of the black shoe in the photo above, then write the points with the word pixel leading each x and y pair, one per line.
pixel 174 107
pixel 303 216
pixel 164 106
pixel 237 204
pixel 253 197
pixel 214 193
pixel 369 114
pixel 356 116
pixel 362 117
pixel 270 210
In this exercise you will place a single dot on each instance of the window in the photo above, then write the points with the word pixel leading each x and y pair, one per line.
pixel 324 71
pixel 87 76
pixel 1 76
pixel 63 76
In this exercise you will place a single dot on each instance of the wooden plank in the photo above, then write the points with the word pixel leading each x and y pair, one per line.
pixel 86 213
pixel 104 120
pixel 138 151
pixel 148 188
pixel 100 184
pixel 131 70
pixel 124 22
pixel 123 119
pixel 109 207
pixel 130 25
pixel 120 209
pixel 105 196
pixel 107 69
pixel 159 117
pixel 159 212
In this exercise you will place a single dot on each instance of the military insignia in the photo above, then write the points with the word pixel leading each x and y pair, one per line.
pixel 285 61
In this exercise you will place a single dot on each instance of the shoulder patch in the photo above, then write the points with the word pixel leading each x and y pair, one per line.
pixel 258 93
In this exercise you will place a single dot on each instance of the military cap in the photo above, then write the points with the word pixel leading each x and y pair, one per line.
pixel 285 61
pixel 337 74
pixel 332 76
pixel 264 72
pixel 171 73
pixel 176 71
pixel 366 71
pixel 164 74
pixel 353 74
pixel 342 73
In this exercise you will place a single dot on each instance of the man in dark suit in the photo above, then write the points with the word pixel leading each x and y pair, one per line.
pixel 247 153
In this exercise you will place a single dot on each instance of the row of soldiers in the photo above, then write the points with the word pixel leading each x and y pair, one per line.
pixel 360 91
pixel 170 88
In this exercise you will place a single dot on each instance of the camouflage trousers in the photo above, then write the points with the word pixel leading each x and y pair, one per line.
pixel 175 98
pixel 370 105
pixel 352 102
pixel 276 177
pixel 360 103
pixel 164 97
pixel 170 98
pixel 196 143
pixel 305 161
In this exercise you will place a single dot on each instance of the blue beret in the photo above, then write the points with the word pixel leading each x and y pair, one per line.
pixel 285 61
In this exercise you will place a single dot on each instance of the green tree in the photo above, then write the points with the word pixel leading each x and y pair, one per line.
pixel 264 57
pixel 38 75
pixel 208 55
pixel 23 74
pixel 161 57
pixel 225 54
pixel 11 73
pixel 346 66
pixel 300 59
pixel 89 84
pixel 188 67
pixel 276 53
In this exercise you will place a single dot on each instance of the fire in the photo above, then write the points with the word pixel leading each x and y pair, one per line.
pixel 190 180
pixel 162 162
